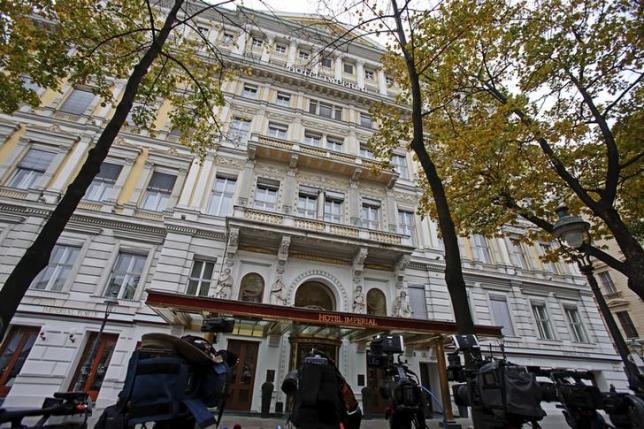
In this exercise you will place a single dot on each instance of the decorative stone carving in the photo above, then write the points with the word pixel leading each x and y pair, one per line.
pixel 359 301
pixel 282 253
pixel 224 284
pixel 233 241
pixel 277 290
pixel 401 306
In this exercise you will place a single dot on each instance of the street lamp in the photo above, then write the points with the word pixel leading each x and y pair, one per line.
pixel 109 302
pixel 574 231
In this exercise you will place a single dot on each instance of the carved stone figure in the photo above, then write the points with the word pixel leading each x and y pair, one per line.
pixel 277 292
pixel 224 284
pixel 401 306
pixel 359 303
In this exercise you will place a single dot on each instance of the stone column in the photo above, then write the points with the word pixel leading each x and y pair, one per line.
pixel 189 184
pixel 292 53
pixel 266 56
pixel 290 188
pixel 382 82
pixel 245 185
pixel 338 67
pixel 133 178
pixel 241 43
pixel 202 181
pixel 353 199
pixel 65 172
pixel 390 210
pixel 360 73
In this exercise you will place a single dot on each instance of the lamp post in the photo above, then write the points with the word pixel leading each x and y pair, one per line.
pixel 82 379
pixel 575 232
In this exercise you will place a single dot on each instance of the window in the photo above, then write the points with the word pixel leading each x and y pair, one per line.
pixel 549 266
pixel 280 48
pixel 418 302
pixel 228 38
pixel 365 120
pixel 56 274
pixel 501 315
pixel 93 365
pixel 406 224
pixel 348 68
pixel 400 166
pixel 371 215
pixel 200 277
pixel 159 190
pixel 101 186
pixel 126 275
pixel 307 203
pixel 31 169
pixel 369 75
pixel 543 321
pixel 325 109
pixel 78 102
pixel 376 303
pixel 283 99
pixel 389 81
pixel 334 143
pixel 221 201
pixel 327 62
pixel 13 354
pixel 257 43
pixel 278 131
pixel 312 138
pixel 266 195
pixel 365 152
pixel 239 130
pixel 480 249
pixel 304 55
pixel 252 288
pixel 607 283
pixel 250 91
pixel 627 324
pixel 29 84
pixel 575 325
pixel 517 254
pixel 333 207
pixel 203 30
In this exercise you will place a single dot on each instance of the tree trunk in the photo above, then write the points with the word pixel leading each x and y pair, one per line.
pixel 37 256
pixel 453 269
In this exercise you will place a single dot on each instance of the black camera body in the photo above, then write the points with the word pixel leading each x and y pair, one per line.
pixel 218 325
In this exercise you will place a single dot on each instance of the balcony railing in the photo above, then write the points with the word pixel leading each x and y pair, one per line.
pixel 316 225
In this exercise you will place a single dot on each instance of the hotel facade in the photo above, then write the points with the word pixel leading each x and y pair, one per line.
pixel 287 226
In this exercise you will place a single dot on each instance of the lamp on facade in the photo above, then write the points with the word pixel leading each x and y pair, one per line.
pixel 575 232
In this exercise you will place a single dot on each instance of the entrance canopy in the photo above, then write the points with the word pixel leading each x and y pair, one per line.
pixel 255 319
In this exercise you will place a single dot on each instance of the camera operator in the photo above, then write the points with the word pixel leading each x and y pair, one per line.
pixel 323 398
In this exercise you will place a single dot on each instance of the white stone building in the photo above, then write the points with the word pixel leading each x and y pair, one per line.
pixel 285 211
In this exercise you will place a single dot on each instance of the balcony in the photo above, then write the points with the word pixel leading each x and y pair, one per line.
pixel 306 156
pixel 262 231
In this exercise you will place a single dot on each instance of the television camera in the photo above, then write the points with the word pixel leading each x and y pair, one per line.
pixel 406 401
pixel 505 395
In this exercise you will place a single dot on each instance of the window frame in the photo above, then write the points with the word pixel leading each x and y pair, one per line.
pixel 200 280
pixel 370 75
pixel 350 66
pixel 365 152
pixel 578 335
pixel 334 143
pixel 412 301
pixel 26 334
pixel 223 195
pixel 607 283
pixel 159 197
pixel 366 120
pixel 281 130
pixel 103 184
pixel 403 213
pixel 315 108
pixel 626 322
pixel 400 166
pixel 371 208
pixel 283 99
pixel 33 175
pixel 481 249
pixel 544 326
pixel 69 268
pixel 281 48
pixel 500 298
pixel 69 96
pixel 313 138
pixel 235 133
pixel 256 43
pixel 330 204
pixel 140 253
pixel 228 38
pixel 250 91
pixel 271 189
pixel 309 209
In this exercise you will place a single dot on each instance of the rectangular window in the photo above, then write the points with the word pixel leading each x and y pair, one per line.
pixel 365 152
pixel 406 224
pixel 304 55
pixel 607 283
pixel 221 200
pixel 543 321
pixel 365 120
pixel 348 68
pixel 369 75
pixel 93 364
pixel 517 254
pixel 126 275
pixel 418 302
pixel 334 143
pixel 13 354
pixel 278 131
pixel 102 185
pixel 549 266
pixel 400 166
pixel 501 315
pixel 327 62
pixel 280 49
pixel 333 207
pixel 389 81
pixel 627 324
pixel 200 277
pixel 575 325
pixel 480 249
pixel 283 99
pixel 257 43
pixel 312 139
pixel 370 215
pixel 78 102
pixel 239 130
pixel 228 38
pixel 307 203
pixel 325 109
pixel 203 30
pixel 249 91
pixel 31 169
pixel 56 273
pixel 158 192
pixel 266 195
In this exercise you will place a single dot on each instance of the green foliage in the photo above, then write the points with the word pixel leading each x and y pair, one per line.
pixel 506 82
pixel 98 44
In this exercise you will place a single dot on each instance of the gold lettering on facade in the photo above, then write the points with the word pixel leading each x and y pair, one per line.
pixel 347 320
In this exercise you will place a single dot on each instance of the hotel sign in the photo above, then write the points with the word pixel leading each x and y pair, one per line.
pixel 344 320
pixel 307 72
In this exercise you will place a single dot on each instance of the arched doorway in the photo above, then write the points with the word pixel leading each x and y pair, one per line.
pixel 318 296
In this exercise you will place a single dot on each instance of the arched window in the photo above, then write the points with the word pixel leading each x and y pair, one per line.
pixel 252 288
pixel 376 303
pixel 315 295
